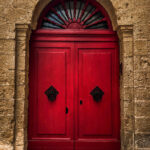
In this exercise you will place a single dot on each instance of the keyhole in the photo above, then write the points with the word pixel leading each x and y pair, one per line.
pixel 66 110
pixel 81 102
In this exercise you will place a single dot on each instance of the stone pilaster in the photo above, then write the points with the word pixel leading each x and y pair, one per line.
pixel 125 33
pixel 21 87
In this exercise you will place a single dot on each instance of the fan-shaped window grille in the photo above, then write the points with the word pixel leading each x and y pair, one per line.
pixel 74 14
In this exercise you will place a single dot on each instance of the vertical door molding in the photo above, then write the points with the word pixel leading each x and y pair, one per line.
pixel 125 33
pixel 21 86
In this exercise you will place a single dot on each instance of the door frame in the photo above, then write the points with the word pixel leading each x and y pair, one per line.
pixel 23 31
pixel 41 38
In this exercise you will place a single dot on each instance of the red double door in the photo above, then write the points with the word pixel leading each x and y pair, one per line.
pixel 74 96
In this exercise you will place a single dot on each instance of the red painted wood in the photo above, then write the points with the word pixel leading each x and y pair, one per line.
pixel 74 35
pixel 74 69
pixel 48 121
pixel 97 123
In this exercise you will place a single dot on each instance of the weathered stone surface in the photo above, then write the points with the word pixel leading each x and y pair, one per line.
pixel 142 109
pixel 7 61
pixel 21 91
pixel 128 93
pixel 128 71
pixel 128 48
pixel 6 128
pixel 142 140
pixel 141 93
pixel 140 79
pixel 142 63
pixel 142 125
pixel 6 107
pixel 6 92
pixel 21 77
pixel 7 46
pixel 6 76
pixel 141 47
pixel 128 141
pixel 128 116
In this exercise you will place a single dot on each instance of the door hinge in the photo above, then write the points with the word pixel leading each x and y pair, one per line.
pixel 120 68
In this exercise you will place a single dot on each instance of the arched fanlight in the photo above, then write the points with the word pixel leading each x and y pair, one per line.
pixel 74 14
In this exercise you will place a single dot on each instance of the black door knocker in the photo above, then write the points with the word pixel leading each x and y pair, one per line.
pixel 97 94
pixel 51 93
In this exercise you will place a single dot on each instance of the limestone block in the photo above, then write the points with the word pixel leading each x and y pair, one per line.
pixel 128 93
pixel 6 107
pixel 140 79
pixel 7 61
pixel 128 141
pixel 142 125
pixel 142 141
pixel 142 63
pixel 141 47
pixel 4 146
pixel 6 128
pixel 6 92
pixel 141 30
pixel 128 116
pixel 7 46
pixel 7 30
pixel 128 72
pixel 141 44
pixel 148 79
pixel 142 108
pixel 145 3
pixel 142 93
pixel 6 76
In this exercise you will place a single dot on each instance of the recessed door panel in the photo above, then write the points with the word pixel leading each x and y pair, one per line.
pixel 51 72
pixel 50 123
pixel 95 116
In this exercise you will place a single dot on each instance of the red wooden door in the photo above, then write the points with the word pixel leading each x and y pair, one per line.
pixel 97 116
pixel 50 125
pixel 80 118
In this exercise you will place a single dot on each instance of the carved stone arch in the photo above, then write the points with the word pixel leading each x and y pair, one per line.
pixel 125 34
pixel 107 4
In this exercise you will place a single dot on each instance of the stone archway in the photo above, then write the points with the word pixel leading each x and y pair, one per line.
pixel 125 33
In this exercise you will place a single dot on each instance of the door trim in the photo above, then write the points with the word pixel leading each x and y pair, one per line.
pixel 23 31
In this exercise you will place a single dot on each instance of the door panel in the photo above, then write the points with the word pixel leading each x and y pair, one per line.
pixel 51 72
pixel 50 66
pixel 95 117
pixel 74 69
pixel 97 121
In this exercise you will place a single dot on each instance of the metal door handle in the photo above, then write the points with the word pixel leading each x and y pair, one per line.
pixel 81 102
pixel 66 110
pixel 97 94
pixel 51 93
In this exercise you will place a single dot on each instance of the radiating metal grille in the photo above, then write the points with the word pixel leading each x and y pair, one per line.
pixel 74 14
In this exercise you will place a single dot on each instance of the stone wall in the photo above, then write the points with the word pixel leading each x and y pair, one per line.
pixel 134 53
